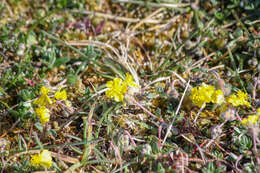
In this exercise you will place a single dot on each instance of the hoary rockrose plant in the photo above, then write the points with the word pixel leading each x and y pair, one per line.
pixel 44 99
pixel 251 120
pixel 117 88
pixel 204 94
pixel 208 94
pixel 43 113
pixel 44 102
pixel 238 99
pixel 43 159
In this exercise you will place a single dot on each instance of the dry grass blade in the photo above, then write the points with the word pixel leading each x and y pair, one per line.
pixel 170 5
pixel 116 18
pixel 146 19
pixel 119 85
pixel 175 114
pixel 64 158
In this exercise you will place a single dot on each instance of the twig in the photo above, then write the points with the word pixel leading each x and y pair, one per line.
pixel 238 159
pixel 199 61
pixel 200 150
pixel 118 18
pixel 179 5
pixel 155 81
pixel 131 139
pixel 197 116
pixel 255 151
pixel 226 54
pixel 147 18
pixel 138 104
pixel 176 113
pixel 216 67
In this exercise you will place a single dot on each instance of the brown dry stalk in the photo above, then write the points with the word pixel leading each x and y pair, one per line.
pixel 117 18
pixel 220 58
pixel 147 18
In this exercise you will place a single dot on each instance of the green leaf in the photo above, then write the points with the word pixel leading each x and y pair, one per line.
pixel 61 61
pixel 39 126
pixel 160 168
pixel 219 15
pixel 72 79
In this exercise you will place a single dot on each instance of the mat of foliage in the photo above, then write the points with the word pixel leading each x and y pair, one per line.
pixel 129 86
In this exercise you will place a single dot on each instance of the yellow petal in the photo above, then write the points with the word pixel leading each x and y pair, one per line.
pixel 61 95
pixel 44 90
pixel 129 81
pixel 218 97
pixel 253 119
pixel 45 158
pixel 258 111
pixel 43 113
pixel 239 99
pixel 244 122
pixel 116 90
pixel 35 160
pixel 40 101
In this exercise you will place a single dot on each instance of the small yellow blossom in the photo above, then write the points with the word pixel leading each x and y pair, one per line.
pixel 116 89
pixel 44 99
pixel 196 98
pixel 218 97
pixel 44 90
pixel 61 95
pixel 258 111
pixel 250 120
pixel 202 95
pixel 207 91
pixel 238 99
pixel 43 113
pixel 43 159
pixel 129 81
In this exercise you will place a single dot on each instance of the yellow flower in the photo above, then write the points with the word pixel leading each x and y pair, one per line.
pixel 196 98
pixel 202 95
pixel 238 99
pixel 244 121
pixel 253 119
pixel 207 91
pixel 43 159
pixel 61 95
pixel 44 99
pixel 129 81
pixel 250 120
pixel 43 113
pixel 218 97
pixel 44 90
pixel 116 89
pixel 258 111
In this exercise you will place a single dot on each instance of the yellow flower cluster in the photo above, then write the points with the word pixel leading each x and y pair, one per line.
pixel 206 94
pixel 61 95
pixel 43 159
pixel 43 113
pixel 44 100
pixel 250 120
pixel 238 99
pixel 118 88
